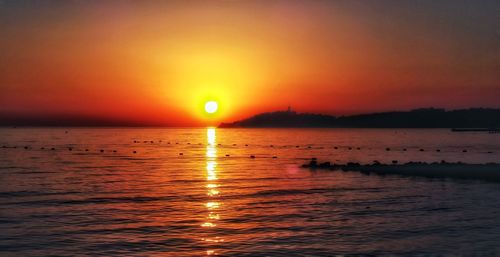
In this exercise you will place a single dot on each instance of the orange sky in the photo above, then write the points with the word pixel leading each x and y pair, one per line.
pixel 158 62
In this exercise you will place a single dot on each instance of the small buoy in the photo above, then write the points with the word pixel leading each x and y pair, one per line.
pixel 437 150
pixel 350 148
pixel 359 148
pixel 335 147
pixel 464 151
pixel 246 145
pixel 181 154
pixel 309 147
pixel 252 156
pixel 421 150
pixel 86 150
pixel 134 151
pixel 25 147
pixel 227 155
pixel 52 149
pixel 151 142
pixel 387 149
pixel 275 157
pixel 102 151
pixel 404 149
pixel 70 149
pixel 297 146
pixel 114 151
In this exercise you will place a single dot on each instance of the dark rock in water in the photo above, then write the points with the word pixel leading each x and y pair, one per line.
pixel 297 146
pixel 353 164
pixel 309 147
pixel 314 159
pixel 114 151
pixel 246 145
pixel 181 154
pixel 252 156
pixel 25 147
pixel 458 170
pixel 134 152
pixel 102 151
pixel 394 162
pixel 350 148
pixel 325 165
pixel 404 149
pixel 52 149
pixel 421 150
pixel 464 151
pixel 70 149
pixel 227 155
pixel 387 149
pixel 86 150
pixel 151 142
pixel 375 162
pixel 437 150
pixel 359 148
pixel 335 147
pixel 274 157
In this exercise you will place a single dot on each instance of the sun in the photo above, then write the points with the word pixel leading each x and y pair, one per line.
pixel 211 107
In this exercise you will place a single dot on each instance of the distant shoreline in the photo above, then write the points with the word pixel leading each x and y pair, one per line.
pixel 476 119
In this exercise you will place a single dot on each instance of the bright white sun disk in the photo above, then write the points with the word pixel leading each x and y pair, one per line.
pixel 211 106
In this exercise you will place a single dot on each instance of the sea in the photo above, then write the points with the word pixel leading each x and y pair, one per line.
pixel 241 192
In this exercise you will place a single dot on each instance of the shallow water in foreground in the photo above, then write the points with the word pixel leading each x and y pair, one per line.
pixel 159 202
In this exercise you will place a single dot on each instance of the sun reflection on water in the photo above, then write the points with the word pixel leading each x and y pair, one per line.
pixel 212 189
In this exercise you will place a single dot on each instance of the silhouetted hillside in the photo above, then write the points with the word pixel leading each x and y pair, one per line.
pixel 420 118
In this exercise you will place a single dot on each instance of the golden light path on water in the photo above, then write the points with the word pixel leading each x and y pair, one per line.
pixel 212 188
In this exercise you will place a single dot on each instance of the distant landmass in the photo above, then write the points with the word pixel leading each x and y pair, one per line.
pixel 419 118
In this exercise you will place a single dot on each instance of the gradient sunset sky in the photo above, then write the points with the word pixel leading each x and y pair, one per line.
pixel 159 61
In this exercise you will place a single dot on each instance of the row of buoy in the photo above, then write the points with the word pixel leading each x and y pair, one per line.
pixel 53 149
pixel 350 148
pixel 102 150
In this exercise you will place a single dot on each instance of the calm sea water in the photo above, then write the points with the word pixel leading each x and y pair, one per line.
pixel 195 192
